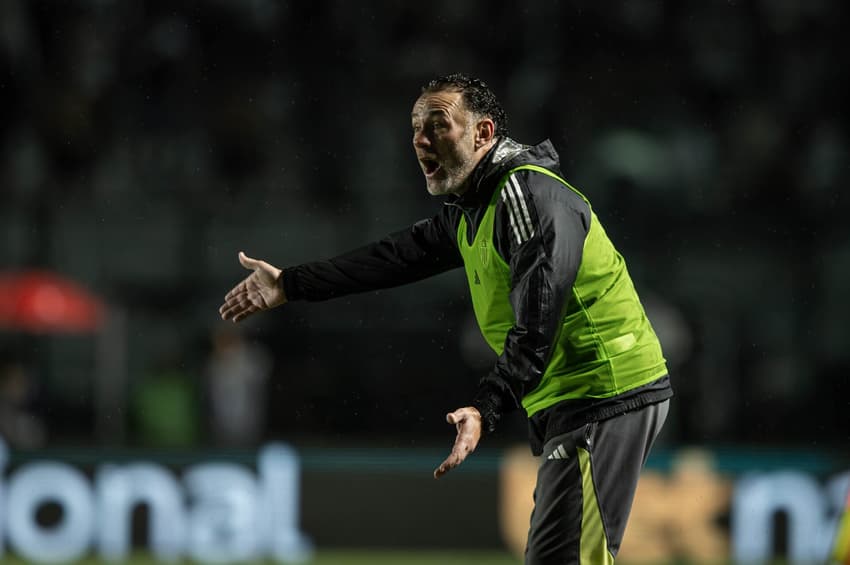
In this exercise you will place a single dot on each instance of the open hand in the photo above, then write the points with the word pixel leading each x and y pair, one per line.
pixel 259 291
pixel 468 423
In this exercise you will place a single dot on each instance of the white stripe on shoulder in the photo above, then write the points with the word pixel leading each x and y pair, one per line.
pixel 511 215
pixel 526 217
pixel 515 207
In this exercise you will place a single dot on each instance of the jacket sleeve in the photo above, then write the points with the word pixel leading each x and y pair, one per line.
pixel 425 249
pixel 541 226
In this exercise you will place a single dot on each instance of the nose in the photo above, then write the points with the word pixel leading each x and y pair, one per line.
pixel 420 139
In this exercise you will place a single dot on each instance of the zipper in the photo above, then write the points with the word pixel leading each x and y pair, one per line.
pixel 471 228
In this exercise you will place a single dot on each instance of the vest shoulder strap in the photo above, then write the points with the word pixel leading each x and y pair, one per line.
pixel 548 173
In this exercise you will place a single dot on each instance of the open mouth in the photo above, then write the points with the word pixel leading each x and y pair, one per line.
pixel 429 166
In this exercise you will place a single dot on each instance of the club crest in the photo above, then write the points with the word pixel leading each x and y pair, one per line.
pixel 484 254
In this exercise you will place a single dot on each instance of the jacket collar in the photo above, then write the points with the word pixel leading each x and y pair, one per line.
pixel 505 155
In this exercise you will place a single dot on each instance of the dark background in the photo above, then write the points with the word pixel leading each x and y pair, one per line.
pixel 143 144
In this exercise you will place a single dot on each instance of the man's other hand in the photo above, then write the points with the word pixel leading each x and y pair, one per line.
pixel 468 423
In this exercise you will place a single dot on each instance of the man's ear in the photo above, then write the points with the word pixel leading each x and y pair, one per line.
pixel 485 131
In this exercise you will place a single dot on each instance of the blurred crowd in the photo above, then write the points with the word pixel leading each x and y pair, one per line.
pixel 143 144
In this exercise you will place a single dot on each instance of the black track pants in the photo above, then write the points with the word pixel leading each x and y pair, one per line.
pixel 585 487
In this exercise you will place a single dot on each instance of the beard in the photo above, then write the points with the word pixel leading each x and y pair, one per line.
pixel 452 179
pixel 454 171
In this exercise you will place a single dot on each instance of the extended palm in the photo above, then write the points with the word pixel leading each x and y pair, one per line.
pixel 259 291
pixel 467 420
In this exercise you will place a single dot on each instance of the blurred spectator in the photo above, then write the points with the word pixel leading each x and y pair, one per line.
pixel 20 426
pixel 237 373
pixel 165 407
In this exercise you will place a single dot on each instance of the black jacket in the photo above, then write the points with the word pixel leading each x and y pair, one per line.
pixel 544 255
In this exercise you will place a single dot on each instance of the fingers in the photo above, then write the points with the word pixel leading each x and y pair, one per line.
pixel 244 313
pixel 239 303
pixel 238 311
pixel 468 423
pixel 461 414
pixel 459 452
pixel 446 466
pixel 247 262
pixel 240 288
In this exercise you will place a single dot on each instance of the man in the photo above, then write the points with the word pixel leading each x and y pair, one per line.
pixel 552 297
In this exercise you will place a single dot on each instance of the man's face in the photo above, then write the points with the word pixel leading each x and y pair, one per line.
pixel 444 141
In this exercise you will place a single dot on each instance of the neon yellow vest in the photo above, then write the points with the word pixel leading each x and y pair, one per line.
pixel 605 346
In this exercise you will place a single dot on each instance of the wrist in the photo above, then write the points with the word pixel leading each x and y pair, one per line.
pixel 278 281
pixel 288 282
pixel 488 412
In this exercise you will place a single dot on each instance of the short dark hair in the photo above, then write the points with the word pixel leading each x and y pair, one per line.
pixel 477 96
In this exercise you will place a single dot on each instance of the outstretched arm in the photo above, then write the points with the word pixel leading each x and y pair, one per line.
pixel 259 291
pixel 425 249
